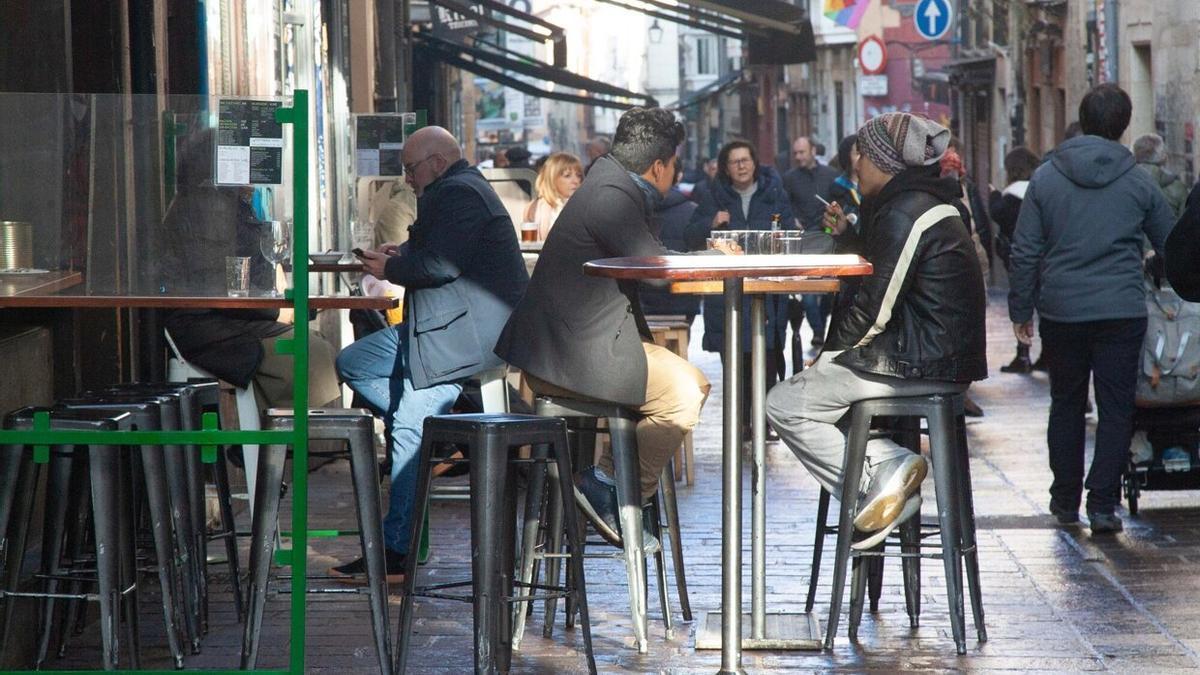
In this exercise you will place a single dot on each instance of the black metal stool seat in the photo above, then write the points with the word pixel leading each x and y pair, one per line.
pixel 622 430
pixel 112 520
pixel 491 441
pixel 956 515
pixel 356 427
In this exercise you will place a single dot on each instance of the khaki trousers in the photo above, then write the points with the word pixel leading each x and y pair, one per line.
pixel 675 393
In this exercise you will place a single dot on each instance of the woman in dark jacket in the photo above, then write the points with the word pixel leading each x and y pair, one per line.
pixel 744 196
pixel 1004 206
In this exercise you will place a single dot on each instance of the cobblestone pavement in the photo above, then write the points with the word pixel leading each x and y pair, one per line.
pixel 1056 599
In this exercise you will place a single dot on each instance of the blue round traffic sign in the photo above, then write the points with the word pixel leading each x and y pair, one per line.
pixel 933 18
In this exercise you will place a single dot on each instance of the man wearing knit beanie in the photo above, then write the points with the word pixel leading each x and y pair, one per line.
pixel 914 327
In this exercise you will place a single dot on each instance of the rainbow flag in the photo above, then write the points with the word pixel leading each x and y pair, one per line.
pixel 846 13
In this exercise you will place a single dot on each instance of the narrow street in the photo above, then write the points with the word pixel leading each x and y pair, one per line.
pixel 1056 599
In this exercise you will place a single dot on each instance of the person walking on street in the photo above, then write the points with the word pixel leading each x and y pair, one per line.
pixel 1077 259
pixel 1004 206
pixel 1151 154
pixel 807 184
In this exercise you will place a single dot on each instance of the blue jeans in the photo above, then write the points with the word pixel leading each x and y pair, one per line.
pixel 377 368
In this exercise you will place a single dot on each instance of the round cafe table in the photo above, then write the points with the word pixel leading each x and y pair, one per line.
pixel 739 275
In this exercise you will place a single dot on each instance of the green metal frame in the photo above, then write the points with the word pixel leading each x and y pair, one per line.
pixel 209 437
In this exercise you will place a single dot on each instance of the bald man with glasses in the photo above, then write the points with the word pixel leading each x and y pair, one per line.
pixel 462 272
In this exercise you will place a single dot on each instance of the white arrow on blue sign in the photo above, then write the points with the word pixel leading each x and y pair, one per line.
pixel 932 18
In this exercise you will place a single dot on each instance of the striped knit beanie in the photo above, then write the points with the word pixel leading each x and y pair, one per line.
pixel 897 141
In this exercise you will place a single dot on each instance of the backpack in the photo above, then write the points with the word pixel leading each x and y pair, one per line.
pixel 1169 373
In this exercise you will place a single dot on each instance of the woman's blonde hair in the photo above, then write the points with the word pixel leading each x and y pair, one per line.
pixel 555 164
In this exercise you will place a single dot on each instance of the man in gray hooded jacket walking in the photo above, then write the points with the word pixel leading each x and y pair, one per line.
pixel 1077 260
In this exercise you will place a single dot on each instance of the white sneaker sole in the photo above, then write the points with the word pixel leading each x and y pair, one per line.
pixel 912 506
pixel 886 507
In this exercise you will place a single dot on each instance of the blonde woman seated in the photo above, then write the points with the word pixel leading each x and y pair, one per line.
pixel 556 182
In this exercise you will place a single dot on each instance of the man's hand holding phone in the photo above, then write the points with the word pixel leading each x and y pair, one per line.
pixel 374 262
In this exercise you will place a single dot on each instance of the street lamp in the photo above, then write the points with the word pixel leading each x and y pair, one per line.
pixel 656 32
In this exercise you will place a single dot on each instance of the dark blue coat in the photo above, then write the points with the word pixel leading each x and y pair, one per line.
pixel 462 272
pixel 770 198
pixel 669 224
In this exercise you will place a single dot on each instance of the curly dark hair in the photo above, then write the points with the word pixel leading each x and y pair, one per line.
pixel 644 136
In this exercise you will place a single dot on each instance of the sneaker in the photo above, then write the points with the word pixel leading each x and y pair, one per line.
pixel 893 483
pixel 395 564
pixel 1105 523
pixel 1064 516
pixel 1019 364
pixel 912 507
pixel 596 496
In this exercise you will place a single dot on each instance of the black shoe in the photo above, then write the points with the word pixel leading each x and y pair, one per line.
pixel 395 564
pixel 596 496
pixel 650 543
pixel 971 408
pixel 1105 523
pixel 1064 516
pixel 1020 364
pixel 1040 364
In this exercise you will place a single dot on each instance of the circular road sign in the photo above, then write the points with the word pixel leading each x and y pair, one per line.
pixel 933 18
pixel 872 56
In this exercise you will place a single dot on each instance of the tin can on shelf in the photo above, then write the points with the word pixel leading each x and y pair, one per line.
pixel 16 244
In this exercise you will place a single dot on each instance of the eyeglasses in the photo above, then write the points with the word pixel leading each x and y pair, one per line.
pixel 409 168
pixel 740 162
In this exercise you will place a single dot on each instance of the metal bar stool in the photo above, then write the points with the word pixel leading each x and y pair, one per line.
pixel 956 516
pixel 622 435
pixel 356 427
pixel 187 541
pixel 144 416
pixel 907 432
pixel 492 441
pixel 112 523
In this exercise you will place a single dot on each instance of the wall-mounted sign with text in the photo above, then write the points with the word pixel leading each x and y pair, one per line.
pixel 249 143
pixel 378 142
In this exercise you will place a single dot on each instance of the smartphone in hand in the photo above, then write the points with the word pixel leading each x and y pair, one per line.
pixel 358 252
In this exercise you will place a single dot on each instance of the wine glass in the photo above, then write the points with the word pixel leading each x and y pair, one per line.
pixel 275 242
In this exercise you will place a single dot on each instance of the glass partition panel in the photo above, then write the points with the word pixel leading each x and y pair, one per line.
pixel 122 190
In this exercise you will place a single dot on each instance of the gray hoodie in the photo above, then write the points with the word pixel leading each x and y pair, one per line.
pixel 1077 250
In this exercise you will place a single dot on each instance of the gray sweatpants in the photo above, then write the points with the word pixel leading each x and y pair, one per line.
pixel 805 409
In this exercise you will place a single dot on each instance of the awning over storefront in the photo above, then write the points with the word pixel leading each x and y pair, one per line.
pixel 539 29
pixel 727 81
pixel 505 70
pixel 771 14
pixel 776 32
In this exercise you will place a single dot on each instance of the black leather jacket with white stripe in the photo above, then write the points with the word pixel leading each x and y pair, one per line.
pixel 921 313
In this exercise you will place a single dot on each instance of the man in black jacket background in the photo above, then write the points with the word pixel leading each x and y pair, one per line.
pixel 914 327
pixel 586 337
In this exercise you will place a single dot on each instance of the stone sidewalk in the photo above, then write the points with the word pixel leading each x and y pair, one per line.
pixel 1056 599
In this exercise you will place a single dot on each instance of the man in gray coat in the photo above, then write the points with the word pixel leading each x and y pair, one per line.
pixel 1077 259
pixel 463 273
pixel 586 337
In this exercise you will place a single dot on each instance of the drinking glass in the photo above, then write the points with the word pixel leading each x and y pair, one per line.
pixel 275 242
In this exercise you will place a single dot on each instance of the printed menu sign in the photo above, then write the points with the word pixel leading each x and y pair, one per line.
pixel 249 143
pixel 378 141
